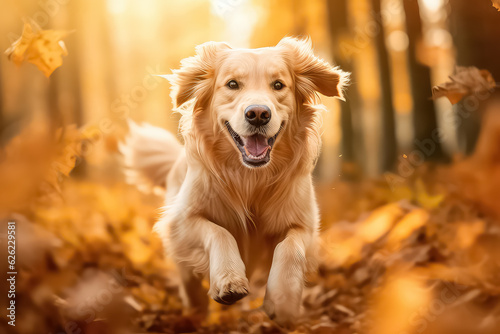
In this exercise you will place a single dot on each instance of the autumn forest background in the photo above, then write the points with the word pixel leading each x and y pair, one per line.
pixel 408 180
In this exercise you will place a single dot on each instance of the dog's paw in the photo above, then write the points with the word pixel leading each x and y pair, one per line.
pixel 282 313
pixel 228 289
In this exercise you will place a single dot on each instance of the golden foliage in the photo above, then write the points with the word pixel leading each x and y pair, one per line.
pixel 33 164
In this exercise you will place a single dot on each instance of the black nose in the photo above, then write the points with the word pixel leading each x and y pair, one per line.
pixel 258 114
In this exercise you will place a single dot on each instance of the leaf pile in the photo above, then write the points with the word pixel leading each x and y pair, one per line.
pixel 34 164
pixel 407 260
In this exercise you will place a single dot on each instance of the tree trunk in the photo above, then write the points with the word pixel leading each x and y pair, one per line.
pixel 337 20
pixel 424 113
pixel 352 147
pixel 475 26
pixel 388 133
pixel 2 120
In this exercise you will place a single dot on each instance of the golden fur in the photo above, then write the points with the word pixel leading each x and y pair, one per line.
pixel 223 218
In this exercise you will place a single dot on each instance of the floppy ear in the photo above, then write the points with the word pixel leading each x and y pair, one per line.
pixel 312 73
pixel 195 72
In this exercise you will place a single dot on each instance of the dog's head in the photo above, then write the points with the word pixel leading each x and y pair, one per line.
pixel 252 94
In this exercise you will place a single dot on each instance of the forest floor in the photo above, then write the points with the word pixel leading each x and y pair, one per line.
pixel 417 256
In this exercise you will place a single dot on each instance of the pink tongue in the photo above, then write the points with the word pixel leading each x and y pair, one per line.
pixel 256 145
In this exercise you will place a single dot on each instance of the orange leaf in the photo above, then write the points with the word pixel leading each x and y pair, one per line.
pixel 43 48
pixel 466 81
pixel 496 4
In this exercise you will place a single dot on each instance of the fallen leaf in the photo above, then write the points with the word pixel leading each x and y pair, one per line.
pixel 342 244
pixel 379 222
pixel 468 232
pixel 400 300
pixel 40 159
pixel 466 81
pixel 426 200
pixel 43 48
pixel 405 227
pixel 69 140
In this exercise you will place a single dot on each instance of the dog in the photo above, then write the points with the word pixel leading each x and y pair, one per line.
pixel 239 192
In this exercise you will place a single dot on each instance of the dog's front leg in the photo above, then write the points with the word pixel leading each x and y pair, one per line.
pixel 228 282
pixel 286 278
pixel 200 241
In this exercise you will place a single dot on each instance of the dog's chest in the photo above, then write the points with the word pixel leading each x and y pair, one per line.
pixel 267 212
pixel 245 200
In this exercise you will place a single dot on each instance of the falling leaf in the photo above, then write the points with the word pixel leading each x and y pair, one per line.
pixel 466 81
pixel 496 4
pixel 17 50
pixel 43 48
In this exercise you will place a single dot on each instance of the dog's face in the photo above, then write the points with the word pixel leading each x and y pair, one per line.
pixel 253 98
pixel 253 93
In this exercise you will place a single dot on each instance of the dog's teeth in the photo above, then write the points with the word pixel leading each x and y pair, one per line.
pixel 251 156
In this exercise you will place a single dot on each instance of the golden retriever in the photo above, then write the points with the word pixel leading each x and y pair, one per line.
pixel 239 192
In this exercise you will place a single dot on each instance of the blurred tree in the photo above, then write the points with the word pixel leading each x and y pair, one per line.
pixel 337 20
pixel 424 113
pixel 70 78
pixel 339 26
pixel 2 124
pixel 94 59
pixel 475 27
pixel 388 133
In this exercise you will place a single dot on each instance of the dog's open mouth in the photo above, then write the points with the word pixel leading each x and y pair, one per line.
pixel 255 149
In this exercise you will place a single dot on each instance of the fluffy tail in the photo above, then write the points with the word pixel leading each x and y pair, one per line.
pixel 149 153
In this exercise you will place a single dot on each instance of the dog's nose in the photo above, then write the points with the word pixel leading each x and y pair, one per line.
pixel 258 114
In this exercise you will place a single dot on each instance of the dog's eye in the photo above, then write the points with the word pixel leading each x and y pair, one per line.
pixel 232 84
pixel 278 85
